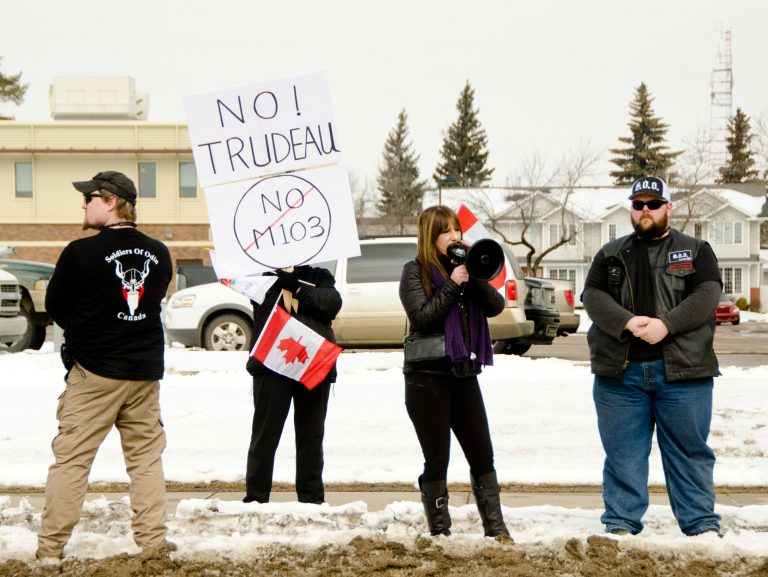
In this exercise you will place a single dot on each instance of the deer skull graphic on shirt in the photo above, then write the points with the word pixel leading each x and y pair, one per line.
pixel 133 283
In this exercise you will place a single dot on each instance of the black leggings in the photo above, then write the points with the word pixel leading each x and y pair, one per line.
pixel 440 404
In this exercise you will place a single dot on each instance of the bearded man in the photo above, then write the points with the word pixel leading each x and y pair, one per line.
pixel 651 296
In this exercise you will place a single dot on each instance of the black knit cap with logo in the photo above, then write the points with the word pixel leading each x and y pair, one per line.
pixel 111 181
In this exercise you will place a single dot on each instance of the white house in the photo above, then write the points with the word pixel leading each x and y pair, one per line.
pixel 589 217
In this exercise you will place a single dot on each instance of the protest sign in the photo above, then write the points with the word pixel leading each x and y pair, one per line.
pixel 263 128
pixel 267 158
pixel 282 220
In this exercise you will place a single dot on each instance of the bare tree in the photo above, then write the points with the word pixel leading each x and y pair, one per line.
pixel 760 142
pixel 546 187
pixel 692 170
pixel 363 194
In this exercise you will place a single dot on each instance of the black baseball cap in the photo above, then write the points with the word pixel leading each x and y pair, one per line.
pixel 651 185
pixel 111 181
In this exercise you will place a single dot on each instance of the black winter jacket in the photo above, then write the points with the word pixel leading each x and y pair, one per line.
pixel 688 312
pixel 426 315
pixel 318 306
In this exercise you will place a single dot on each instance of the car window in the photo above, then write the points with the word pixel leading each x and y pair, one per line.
pixel 192 275
pixel 329 265
pixel 380 262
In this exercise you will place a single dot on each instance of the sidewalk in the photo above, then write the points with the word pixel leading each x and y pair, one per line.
pixel 377 501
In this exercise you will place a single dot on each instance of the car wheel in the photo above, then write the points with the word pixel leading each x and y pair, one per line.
pixel 510 347
pixel 227 333
pixel 737 321
pixel 32 339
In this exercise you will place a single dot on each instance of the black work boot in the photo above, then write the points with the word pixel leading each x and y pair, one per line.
pixel 434 497
pixel 486 491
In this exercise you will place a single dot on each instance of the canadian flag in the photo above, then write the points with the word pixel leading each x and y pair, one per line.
pixel 292 349
pixel 473 230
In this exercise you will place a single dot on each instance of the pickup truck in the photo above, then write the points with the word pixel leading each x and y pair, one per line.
pixel 33 278
pixel 216 317
pixel 564 302
pixel 13 324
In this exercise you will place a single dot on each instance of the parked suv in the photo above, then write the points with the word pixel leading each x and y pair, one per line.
pixel 217 318
pixel 33 278
pixel 13 324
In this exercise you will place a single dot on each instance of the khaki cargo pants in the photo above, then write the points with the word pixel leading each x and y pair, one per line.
pixel 88 408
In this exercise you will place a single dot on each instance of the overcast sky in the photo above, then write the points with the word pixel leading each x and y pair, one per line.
pixel 548 75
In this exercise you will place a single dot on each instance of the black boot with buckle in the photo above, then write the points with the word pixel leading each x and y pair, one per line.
pixel 434 497
pixel 486 491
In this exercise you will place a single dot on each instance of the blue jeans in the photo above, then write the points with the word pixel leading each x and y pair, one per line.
pixel 628 409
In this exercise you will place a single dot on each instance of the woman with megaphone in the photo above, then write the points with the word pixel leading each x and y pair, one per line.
pixel 446 348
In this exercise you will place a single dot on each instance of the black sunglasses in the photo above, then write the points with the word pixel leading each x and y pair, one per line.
pixel 89 197
pixel 651 204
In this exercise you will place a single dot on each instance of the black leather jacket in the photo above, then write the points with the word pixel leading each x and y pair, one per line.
pixel 427 314
pixel 318 306
pixel 688 312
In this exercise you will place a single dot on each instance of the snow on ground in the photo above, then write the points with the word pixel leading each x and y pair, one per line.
pixel 543 429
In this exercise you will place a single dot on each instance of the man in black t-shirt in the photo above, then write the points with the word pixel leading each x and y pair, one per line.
pixel 652 297
pixel 105 293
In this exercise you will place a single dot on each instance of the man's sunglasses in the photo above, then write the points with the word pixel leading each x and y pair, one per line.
pixel 89 197
pixel 651 204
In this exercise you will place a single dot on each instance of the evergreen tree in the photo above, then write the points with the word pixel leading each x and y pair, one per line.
pixel 398 180
pixel 646 153
pixel 464 153
pixel 11 90
pixel 740 163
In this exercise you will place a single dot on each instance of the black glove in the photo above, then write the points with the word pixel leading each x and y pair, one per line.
pixel 287 280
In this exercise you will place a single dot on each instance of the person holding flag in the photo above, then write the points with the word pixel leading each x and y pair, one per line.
pixel 293 359
pixel 448 344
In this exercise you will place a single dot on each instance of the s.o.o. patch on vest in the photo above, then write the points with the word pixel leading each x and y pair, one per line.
pixel 681 259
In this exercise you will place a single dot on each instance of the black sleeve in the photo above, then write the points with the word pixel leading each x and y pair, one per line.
pixel 491 301
pixel 59 295
pixel 425 313
pixel 323 299
pixel 603 310
pixel 707 268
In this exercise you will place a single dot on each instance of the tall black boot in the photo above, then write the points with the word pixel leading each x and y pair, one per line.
pixel 486 491
pixel 434 497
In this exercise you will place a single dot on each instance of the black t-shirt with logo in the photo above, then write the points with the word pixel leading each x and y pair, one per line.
pixel 106 293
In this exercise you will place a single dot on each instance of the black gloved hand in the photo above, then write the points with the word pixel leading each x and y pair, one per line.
pixel 287 280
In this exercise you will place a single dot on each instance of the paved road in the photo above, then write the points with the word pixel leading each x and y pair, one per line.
pixel 744 345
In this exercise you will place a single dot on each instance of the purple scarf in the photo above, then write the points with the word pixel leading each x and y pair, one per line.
pixel 479 335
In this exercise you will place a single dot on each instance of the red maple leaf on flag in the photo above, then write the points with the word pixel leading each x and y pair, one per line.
pixel 293 350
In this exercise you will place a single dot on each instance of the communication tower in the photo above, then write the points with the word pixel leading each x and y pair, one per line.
pixel 721 102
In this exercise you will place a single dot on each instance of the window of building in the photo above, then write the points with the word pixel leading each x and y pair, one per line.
pixel 147 180
pixel 562 274
pixel 23 179
pixel 532 234
pixel 617 231
pixel 731 276
pixel 728 232
pixel 698 230
pixel 187 180
pixel 557 232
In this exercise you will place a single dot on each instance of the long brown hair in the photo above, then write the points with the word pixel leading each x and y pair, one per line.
pixel 433 222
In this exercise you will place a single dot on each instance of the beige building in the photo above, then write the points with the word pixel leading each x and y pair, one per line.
pixel 40 211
